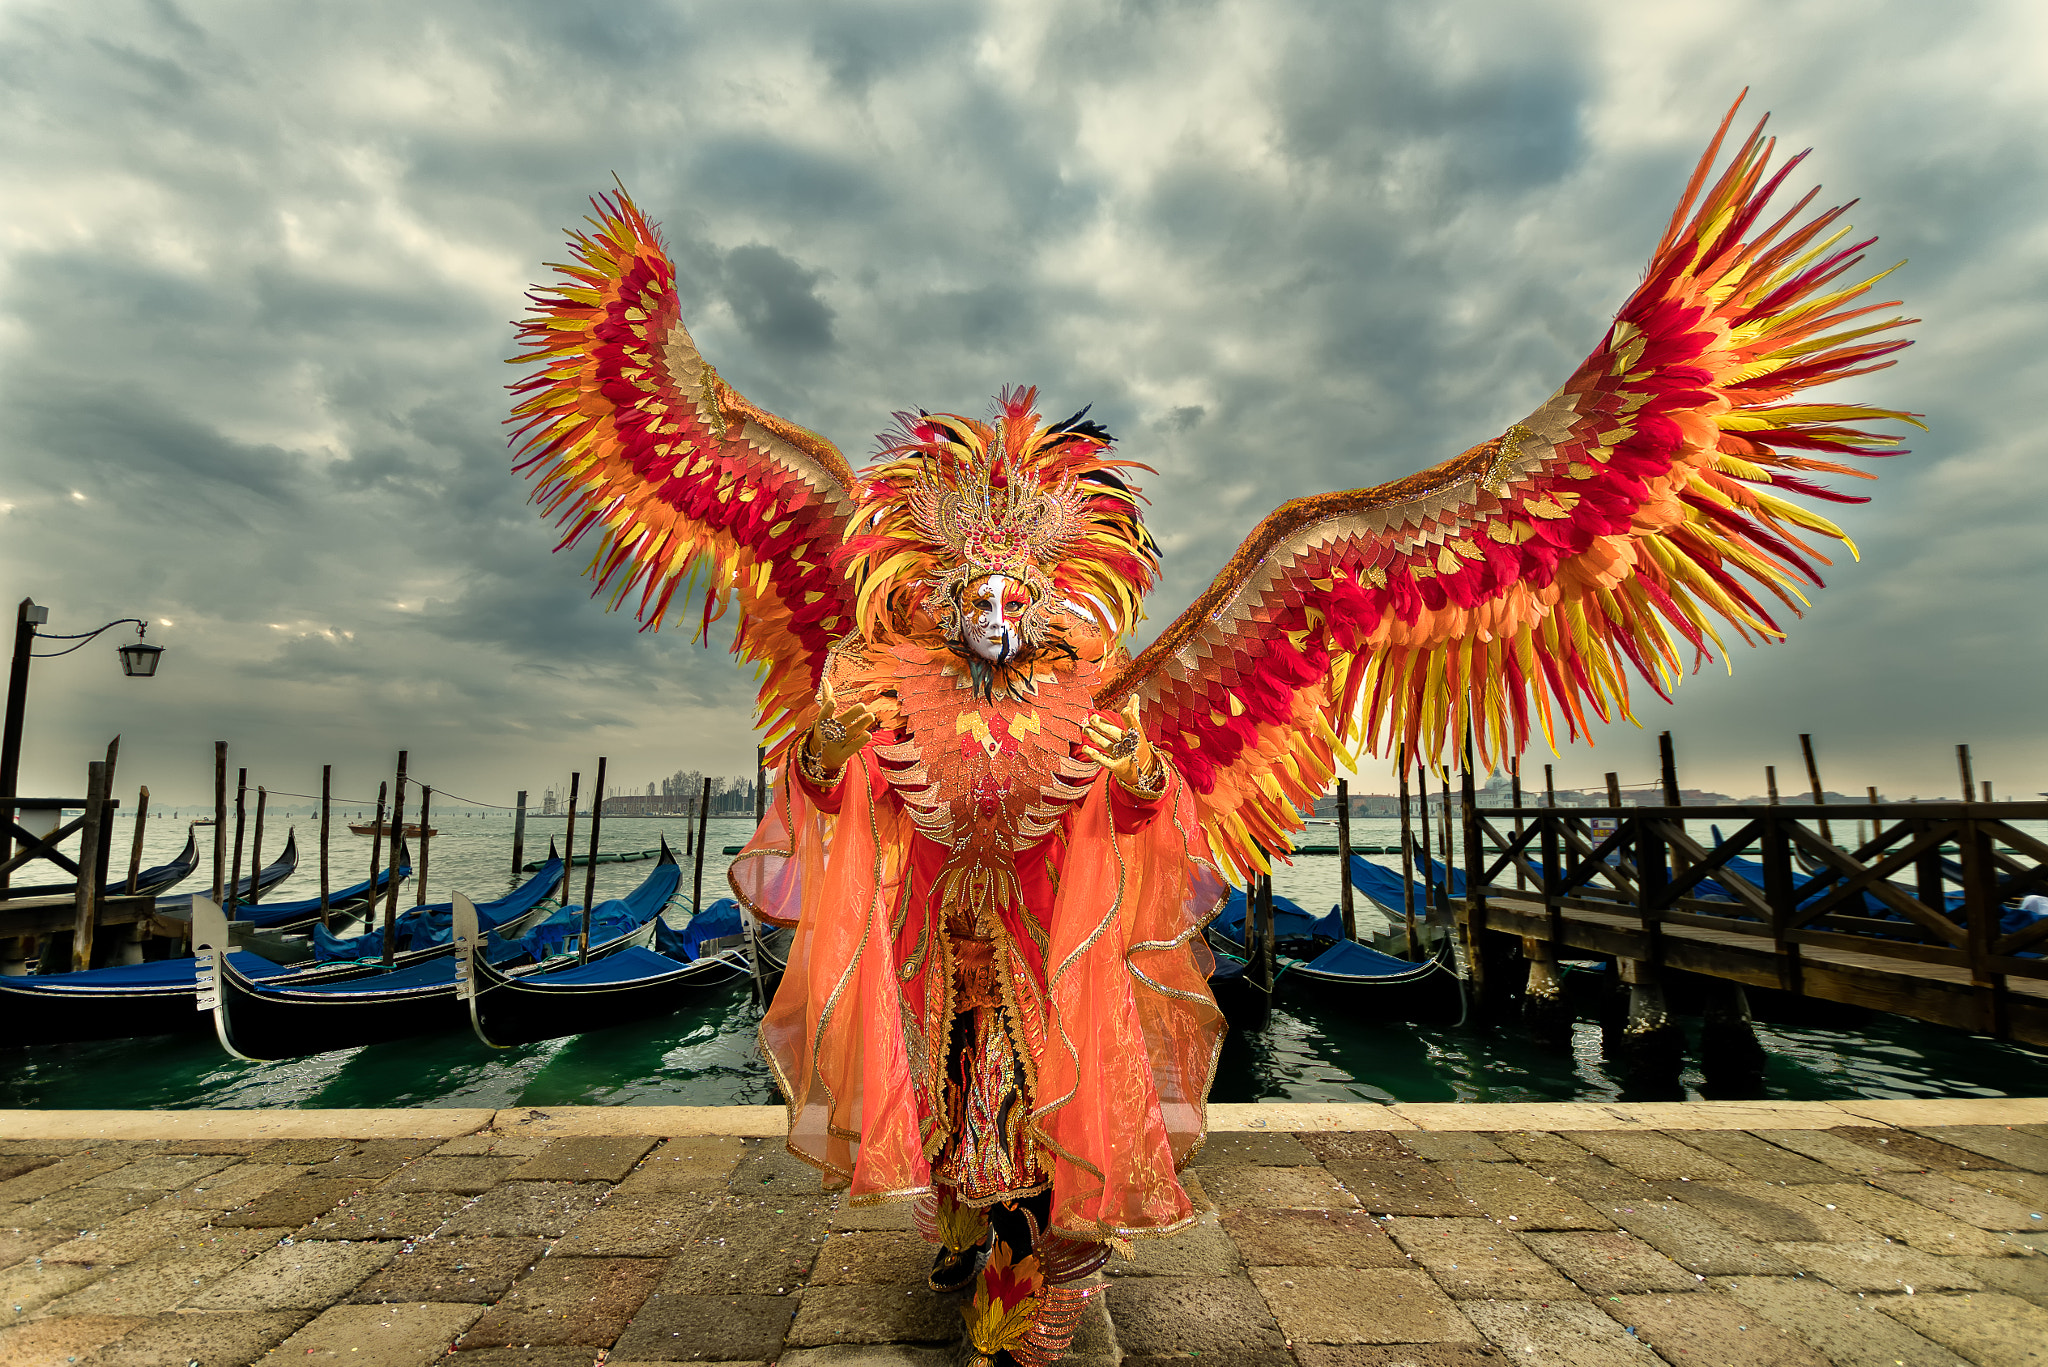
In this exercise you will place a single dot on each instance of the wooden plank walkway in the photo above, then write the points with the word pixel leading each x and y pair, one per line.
pixel 1777 903
pixel 1941 993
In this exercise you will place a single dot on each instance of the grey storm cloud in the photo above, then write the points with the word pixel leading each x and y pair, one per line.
pixel 260 267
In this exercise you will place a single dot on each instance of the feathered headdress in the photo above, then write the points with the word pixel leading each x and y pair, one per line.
pixel 949 500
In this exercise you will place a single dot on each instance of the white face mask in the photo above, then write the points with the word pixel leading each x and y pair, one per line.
pixel 992 625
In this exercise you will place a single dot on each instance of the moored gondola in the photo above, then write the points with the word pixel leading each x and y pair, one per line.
pixel 427 930
pixel 302 912
pixel 1365 984
pixel 123 1001
pixel 151 881
pixel 179 908
pixel 274 1020
pixel 1313 960
pixel 506 1009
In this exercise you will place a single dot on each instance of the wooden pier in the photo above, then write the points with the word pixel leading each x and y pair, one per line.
pixel 1907 921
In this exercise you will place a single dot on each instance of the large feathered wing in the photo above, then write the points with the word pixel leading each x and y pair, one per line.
pixel 631 436
pixel 1638 516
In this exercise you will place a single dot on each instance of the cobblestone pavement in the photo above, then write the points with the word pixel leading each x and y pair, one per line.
pixel 1862 1243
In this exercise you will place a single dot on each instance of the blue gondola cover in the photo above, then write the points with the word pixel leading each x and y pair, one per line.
pixel 1355 960
pixel 715 922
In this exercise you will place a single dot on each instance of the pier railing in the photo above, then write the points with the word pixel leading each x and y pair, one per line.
pixel 1928 887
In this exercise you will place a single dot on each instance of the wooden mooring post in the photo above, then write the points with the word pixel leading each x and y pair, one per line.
pixel 419 887
pixel 1345 899
pixel 519 834
pixel 131 943
pixel 697 877
pixel 569 838
pixel 1483 988
pixel 326 821
pixel 376 850
pixel 90 864
pixel 220 818
pixel 1268 935
pixel 1546 1015
pixel 397 846
pixel 590 867
pixel 256 846
pixel 135 849
pixel 241 822
pixel 1407 855
pixel 1820 796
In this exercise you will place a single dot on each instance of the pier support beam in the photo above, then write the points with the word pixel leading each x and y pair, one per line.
pixel 1730 1056
pixel 14 957
pixel 1546 1015
pixel 1650 1048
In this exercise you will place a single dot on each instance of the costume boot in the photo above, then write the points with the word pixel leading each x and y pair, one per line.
pixel 961 1232
pixel 1025 1307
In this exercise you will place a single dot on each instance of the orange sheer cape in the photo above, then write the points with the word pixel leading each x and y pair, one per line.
pixel 1133 1030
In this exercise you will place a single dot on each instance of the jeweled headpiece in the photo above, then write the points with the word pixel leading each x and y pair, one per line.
pixel 951 500
pixel 990 518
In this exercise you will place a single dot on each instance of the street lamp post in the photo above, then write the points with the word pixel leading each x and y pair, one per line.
pixel 138 661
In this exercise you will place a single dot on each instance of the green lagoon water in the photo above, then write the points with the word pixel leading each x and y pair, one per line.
pixel 706 1055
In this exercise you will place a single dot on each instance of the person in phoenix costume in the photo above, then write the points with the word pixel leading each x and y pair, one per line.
pixel 997 835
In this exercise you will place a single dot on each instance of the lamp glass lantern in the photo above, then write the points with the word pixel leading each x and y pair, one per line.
pixel 139 657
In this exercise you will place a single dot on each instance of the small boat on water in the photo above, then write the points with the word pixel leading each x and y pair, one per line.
pixel 636 983
pixel 151 881
pixel 275 1019
pixel 383 828
pixel 583 861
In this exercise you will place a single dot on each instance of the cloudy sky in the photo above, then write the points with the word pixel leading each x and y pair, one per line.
pixel 259 262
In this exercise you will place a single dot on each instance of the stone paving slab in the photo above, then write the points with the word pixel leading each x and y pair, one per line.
pixel 1965 1200
pixel 1610 1262
pixel 183 1338
pixel 567 1302
pixel 1572 1334
pixel 452 1271
pixel 1342 1236
pixel 1480 1260
pixel 1297 1238
pixel 1839 1326
pixel 64 1340
pixel 296 1276
pixel 1710 1326
pixel 2016 1148
pixel 411 1335
pixel 1992 1330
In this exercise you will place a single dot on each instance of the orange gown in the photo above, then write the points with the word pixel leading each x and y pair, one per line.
pixel 997 982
